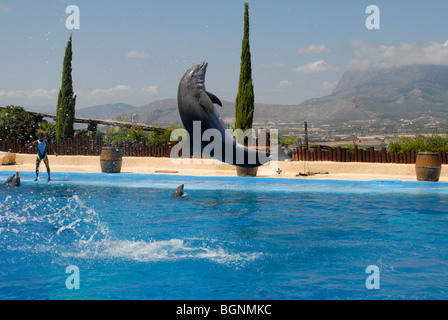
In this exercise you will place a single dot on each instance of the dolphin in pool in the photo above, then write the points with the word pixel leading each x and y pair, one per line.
pixel 197 105
pixel 179 191
pixel 13 181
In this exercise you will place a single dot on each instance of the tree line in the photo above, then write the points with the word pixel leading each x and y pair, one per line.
pixel 17 124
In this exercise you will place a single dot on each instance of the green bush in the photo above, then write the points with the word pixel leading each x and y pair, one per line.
pixel 17 124
pixel 117 136
pixel 290 140
pixel 419 143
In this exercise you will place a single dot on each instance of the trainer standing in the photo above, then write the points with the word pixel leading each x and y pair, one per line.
pixel 41 155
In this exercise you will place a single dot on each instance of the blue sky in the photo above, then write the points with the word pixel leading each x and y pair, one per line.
pixel 136 51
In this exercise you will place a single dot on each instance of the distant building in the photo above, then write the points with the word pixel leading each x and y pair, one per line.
pixel 134 118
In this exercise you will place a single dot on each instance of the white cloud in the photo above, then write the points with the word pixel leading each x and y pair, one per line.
pixel 42 94
pixel 121 87
pixel 314 67
pixel 11 94
pixel 152 90
pixel 382 56
pixel 29 96
pixel 137 55
pixel 36 94
pixel 285 84
pixel 330 85
pixel 313 49
pixel 117 91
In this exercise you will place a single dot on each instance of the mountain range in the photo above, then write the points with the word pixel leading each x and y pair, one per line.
pixel 105 111
pixel 393 93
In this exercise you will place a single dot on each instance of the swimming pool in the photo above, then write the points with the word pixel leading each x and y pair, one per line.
pixel 227 238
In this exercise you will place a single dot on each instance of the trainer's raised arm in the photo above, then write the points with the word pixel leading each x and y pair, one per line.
pixel 31 143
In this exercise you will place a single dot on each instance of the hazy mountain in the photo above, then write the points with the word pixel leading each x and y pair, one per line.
pixel 43 109
pixel 105 111
pixel 392 93
pixel 163 112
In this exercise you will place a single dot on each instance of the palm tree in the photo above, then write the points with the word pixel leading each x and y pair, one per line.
pixel 48 130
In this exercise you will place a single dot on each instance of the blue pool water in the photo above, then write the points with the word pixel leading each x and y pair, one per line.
pixel 227 238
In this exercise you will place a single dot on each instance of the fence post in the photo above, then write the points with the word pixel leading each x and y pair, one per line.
pixel 339 154
pixel 344 155
pixel 383 155
pixel 294 154
pixel 306 135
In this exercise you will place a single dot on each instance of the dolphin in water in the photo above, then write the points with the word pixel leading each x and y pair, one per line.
pixel 13 181
pixel 179 191
pixel 198 106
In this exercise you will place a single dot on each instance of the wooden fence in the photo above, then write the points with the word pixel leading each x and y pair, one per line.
pixel 339 154
pixel 86 145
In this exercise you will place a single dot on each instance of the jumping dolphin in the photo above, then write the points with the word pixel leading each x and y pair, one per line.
pixel 13 181
pixel 196 105
pixel 179 191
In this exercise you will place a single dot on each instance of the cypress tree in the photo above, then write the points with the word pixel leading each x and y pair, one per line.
pixel 65 115
pixel 244 105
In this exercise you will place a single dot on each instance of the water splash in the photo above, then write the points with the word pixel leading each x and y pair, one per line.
pixel 164 250
pixel 69 228
pixel 36 221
